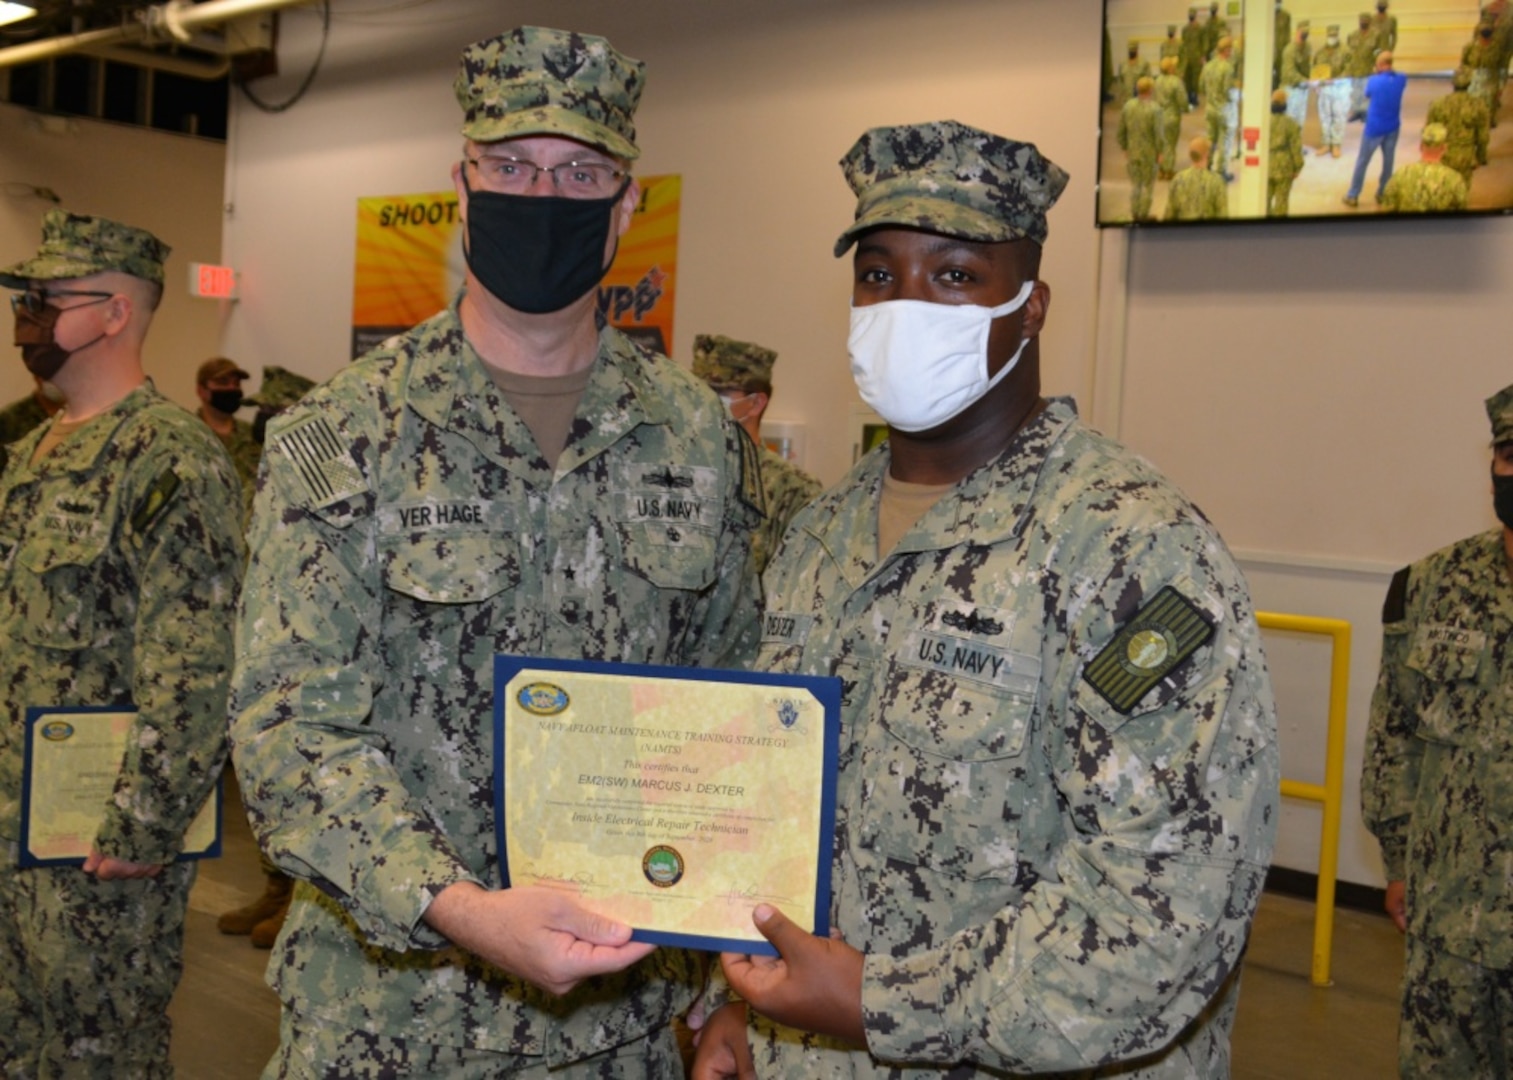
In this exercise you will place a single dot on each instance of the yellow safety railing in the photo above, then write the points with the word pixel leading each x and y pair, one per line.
pixel 1331 791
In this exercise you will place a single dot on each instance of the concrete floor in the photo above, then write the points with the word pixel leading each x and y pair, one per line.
pixel 226 1019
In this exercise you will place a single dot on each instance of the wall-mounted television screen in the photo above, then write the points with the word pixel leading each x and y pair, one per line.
pixel 1304 109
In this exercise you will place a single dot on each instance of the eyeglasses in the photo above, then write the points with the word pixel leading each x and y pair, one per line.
pixel 574 179
pixel 33 302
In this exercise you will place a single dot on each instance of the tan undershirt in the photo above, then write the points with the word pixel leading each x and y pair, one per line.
pixel 56 434
pixel 902 505
pixel 547 404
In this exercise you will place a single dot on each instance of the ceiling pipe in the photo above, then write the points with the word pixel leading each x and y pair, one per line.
pixel 165 62
pixel 177 18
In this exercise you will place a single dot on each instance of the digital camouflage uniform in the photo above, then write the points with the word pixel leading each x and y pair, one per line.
pixel 1172 45
pixel 1297 66
pixel 1132 72
pixel 728 366
pixel 1058 768
pixel 1196 194
pixel 1361 46
pixel 119 564
pixel 1334 92
pixel 16 419
pixel 1216 27
pixel 1437 792
pixel 1170 97
pixel 786 489
pixel 1041 879
pixel 1217 80
pixel 1281 34
pixel 1482 57
pixel 1467 130
pixel 1425 186
pixel 1283 162
pixel 1139 136
pixel 1192 56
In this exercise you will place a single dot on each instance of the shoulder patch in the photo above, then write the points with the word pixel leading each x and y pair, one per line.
pixel 322 462
pixel 751 474
pixel 158 496
pixel 1395 607
pixel 1162 634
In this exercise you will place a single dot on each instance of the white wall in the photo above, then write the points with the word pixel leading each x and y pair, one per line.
pixel 1317 389
pixel 165 183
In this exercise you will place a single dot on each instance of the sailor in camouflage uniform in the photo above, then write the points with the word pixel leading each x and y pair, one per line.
pixel 120 557
pixel 1170 97
pixel 1197 194
pixel 1284 159
pixel 1296 70
pixel 1437 788
pixel 1141 132
pixel 1334 93
pixel 19 417
pixel 741 373
pixel 1428 185
pixel 1217 81
pixel 1058 766
pixel 218 384
pixel 1466 125
pixel 510 476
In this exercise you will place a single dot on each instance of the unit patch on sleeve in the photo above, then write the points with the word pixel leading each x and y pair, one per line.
pixel 1163 633
pixel 158 496
pixel 322 462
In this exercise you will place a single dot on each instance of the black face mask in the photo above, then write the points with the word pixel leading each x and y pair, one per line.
pixel 226 401
pixel 538 253
pixel 1502 499
pixel 40 351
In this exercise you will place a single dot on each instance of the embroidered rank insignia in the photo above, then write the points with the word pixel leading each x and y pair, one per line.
pixel 751 475
pixel 159 495
pixel 321 460
pixel 1163 633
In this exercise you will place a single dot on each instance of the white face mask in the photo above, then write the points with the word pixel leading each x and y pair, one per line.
pixel 918 364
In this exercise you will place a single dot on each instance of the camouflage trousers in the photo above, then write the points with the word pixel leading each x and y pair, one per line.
pixel 87 969
pixel 1457 1017
pixel 1278 195
pixel 311 1049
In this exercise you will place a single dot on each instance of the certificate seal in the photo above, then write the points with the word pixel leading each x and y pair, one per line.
pixel 542 699
pixel 57 730
pixel 663 866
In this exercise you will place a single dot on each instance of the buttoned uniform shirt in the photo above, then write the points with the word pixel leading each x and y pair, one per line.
pixel 408 529
pixel 1437 785
pixel 120 559
pixel 1047 869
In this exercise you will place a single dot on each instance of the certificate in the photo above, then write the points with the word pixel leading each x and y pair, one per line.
pixel 672 799
pixel 73 757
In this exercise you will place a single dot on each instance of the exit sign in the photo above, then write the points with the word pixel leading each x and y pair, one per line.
pixel 216 282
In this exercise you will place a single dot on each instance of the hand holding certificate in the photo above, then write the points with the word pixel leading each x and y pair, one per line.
pixel 671 799
pixel 73 758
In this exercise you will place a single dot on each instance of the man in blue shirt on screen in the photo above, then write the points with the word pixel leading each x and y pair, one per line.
pixel 1384 119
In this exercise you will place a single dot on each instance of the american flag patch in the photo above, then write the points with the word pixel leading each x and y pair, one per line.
pixel 322 462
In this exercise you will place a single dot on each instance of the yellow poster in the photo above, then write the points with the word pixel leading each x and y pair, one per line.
pixel 410 264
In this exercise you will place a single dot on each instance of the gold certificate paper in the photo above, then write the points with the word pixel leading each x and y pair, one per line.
pixel 73 757
pixel 672 799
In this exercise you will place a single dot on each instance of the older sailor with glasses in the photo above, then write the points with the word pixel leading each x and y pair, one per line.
pixel 497 480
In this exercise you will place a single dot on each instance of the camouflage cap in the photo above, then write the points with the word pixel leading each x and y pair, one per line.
pixel 537 81
pixel 216 367
pixel 1500 412
pixel 1434 135
pixel 1171 28
pixel 280 389
pixel 78 245
pixel 725 362
pixel 948 178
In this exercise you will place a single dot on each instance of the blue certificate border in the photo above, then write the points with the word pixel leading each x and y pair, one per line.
pixel 825 689
pixel 35 713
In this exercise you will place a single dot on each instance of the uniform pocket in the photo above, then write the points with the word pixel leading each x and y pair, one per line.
pixel 944 774
pixel 1448 658
pixel 668 555
pixel 440 567
pixel 61 597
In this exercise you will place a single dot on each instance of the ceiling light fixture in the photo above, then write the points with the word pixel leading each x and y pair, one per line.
pixel 11 12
